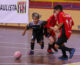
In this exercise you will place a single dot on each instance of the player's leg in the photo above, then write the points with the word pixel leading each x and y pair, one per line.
pixel 40 40
pixel 41 44
pixel 56 50
pixel 60 44
pixel 52 39
pixel 64 49
pixel 50 45
pixel 70 50
pixel 32 45
pixel 64 55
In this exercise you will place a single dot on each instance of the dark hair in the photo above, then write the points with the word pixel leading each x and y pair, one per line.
pixel 58 7
pixel 36 15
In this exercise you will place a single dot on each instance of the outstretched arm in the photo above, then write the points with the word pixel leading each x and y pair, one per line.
pixel 29 26
pixel 57 27
pixel 25 29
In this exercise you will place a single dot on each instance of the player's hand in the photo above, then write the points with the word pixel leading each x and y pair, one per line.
pixel 56 46
pixel 52 28
pixel 56 29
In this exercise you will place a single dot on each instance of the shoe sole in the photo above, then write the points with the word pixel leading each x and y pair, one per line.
pixel 63 58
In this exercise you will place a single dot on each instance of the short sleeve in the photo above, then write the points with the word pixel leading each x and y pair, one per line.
pixel 44 22
pixel 72 22
pixel 29 26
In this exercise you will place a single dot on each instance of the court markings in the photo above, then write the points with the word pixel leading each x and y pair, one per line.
pixel 77 63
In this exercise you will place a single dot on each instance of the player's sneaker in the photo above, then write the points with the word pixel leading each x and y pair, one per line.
pixel 72 53
pixel 31 52
pixel 50 51
pixel 42 46
pixel 63 58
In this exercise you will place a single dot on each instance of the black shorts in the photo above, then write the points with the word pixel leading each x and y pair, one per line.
pixel 62 39
pixel 38 38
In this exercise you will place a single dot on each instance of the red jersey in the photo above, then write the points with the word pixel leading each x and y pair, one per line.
pixel 51 22
pixel 68 23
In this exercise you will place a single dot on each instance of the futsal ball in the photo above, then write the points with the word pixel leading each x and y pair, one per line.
pixel 17 55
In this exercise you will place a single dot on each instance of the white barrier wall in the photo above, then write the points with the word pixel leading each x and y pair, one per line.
pixel 14 11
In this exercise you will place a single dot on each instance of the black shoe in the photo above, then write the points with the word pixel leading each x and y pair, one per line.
pixel 63 58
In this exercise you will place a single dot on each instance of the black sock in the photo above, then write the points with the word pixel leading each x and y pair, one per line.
pixel 64 53
pixel 49 46
pixel 32 46
pixel 65 48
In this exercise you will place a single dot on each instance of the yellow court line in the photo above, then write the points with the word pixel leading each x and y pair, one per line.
pixel 78 63
pixel 56 1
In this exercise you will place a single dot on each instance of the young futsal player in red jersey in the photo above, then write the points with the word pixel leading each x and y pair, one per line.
pixel 65 24
pixel 51 34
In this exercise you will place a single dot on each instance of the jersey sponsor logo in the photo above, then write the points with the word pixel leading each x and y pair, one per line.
pixel 66 16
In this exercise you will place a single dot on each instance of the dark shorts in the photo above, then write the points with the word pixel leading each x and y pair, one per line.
pixel 48 34
pixel 38 38
pixel 62 39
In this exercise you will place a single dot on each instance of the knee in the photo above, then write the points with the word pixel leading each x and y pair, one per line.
pixel 52 40
pixel 56 46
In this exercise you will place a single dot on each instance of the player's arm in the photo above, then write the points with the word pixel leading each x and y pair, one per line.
pixel 61 22
pixel 58 26
pixel 26 28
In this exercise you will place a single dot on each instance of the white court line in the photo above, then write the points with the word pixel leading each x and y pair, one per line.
pixel 77 53
pixel 25 47
pixel 26 55
pixel 12 43
pixel 20 43
pixel 12 47
pixel 12 56
pixel 16 43
pixel 20 48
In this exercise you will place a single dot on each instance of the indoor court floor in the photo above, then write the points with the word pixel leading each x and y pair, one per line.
pixel 11 40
